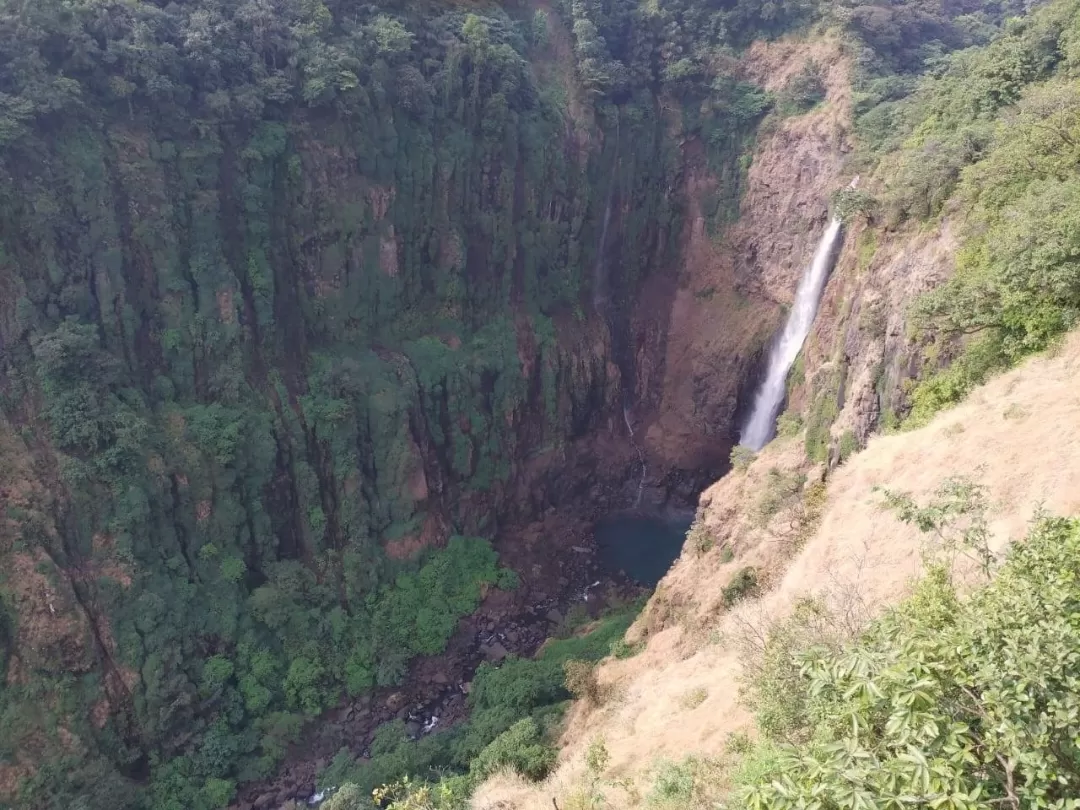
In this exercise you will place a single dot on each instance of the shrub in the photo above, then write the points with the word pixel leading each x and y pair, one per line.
pixel 576 617
pixel 346 797
pixel 738 742
pixel 867 248
pixel 849 204
pixel 955 518
pixel 621 649
pixel 742 457
pixel 674 785
pixel 694 697
pixel 521 748
pixel 772 683
pixel 849 445
pixel 948 386
pixel 699 538
pixel 788 424
pixel 450 793
pixel 693 783
pixel 948 702
pixel 597 756
pixel 824 408
pixel 781 492
pixel 742 585
pixel 804 90
pixel 590 794
pixel 582 683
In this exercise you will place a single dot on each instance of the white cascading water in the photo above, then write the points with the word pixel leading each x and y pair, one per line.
pixel 600 293
pixel 762 422
pixel 640 455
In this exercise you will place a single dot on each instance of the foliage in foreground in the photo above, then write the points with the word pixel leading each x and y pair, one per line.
pixel 945 703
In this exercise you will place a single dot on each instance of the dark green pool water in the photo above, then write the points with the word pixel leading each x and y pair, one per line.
pixel 642 545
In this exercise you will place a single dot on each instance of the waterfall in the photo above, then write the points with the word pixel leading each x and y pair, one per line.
pixel 600 294
pixel 601 298
pixel 762 422
pixel 640 455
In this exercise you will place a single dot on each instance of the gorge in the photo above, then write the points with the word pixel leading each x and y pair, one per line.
pixel 345 349
pixel 296 321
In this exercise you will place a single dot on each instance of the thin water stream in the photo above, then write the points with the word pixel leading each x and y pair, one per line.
pixel 640 454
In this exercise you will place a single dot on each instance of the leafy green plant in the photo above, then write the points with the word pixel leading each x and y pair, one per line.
pixel 923 707
pixel 520 748
pixel 772 681
pixel 743 584
pixel 956 519
pixel 867 248
pixel 849 445
pixel 848 204
pixel 789 424
pixel 622 649
pixel 824 408
pixel 674 785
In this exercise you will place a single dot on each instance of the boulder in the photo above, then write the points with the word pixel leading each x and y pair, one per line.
pixel 494 652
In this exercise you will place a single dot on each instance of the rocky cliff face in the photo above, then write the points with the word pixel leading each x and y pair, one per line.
pixel 698 351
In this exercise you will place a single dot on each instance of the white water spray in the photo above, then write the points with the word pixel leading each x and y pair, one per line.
pixel 762 422
pixel 640 455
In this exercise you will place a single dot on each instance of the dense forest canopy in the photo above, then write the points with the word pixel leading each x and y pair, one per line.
pixel 269 270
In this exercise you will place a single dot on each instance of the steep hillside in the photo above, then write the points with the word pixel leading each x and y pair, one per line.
pixel 735 280
pixel 959 261
pixel 679 699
